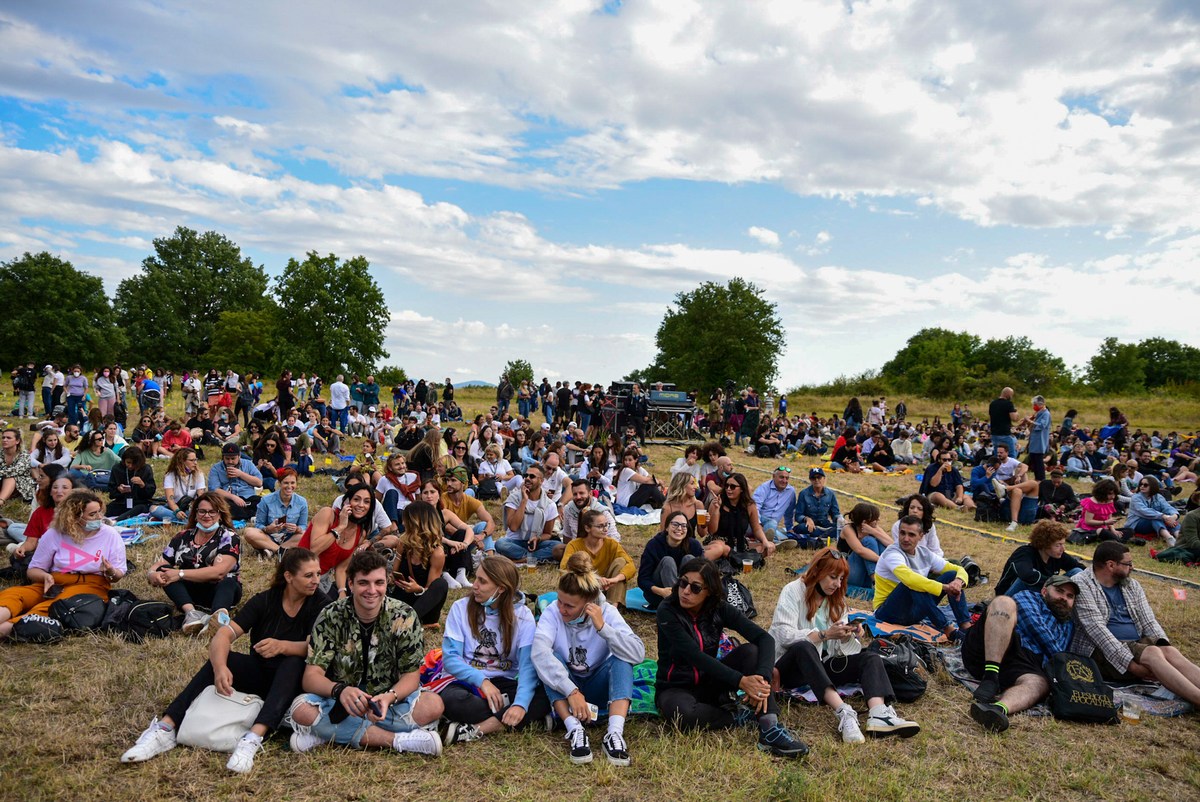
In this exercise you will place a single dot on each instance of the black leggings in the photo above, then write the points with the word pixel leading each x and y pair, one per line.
pixel 464 706
pixel 801 664
pixel 647 494
pixel 463 558
pixel 427 605
pixel 278 683
pixel 209 595
pixel 705 706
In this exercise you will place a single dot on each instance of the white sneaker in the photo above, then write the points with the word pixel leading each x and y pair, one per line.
pixel 302 739
pixel 153 741
pixel 883 721
pixel 418 741
pixel 451 582
pixel 848 725
pixel 1169 540
pixel 1012 527
pixel 242 759
pixel 194 622
pixel 11 547
pixel 1000 488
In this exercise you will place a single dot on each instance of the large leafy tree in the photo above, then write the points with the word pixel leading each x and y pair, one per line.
pixel 1169 362
pixel 933 362
pixel 332 316
pixel 171 309
pixel 718 333
pixel 1033 368
pixel 55 314
pixel 245 341
pixel 1117 368
pixel 518 370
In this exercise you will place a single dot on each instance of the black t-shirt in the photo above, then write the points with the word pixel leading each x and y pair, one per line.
pixel 999 412
pixel 263 617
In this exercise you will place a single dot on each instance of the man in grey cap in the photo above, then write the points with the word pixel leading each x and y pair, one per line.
pixel 1008 647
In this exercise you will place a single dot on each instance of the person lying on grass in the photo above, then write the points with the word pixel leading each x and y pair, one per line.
pixel 279 621
pixel 585 653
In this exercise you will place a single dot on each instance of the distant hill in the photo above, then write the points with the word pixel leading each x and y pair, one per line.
pixel 474 383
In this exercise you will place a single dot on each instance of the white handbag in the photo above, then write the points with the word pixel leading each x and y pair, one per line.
pixel 217 722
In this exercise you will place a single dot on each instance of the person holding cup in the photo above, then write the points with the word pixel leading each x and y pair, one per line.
pixel 815 645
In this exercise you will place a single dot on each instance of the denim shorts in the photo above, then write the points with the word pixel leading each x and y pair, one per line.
pixel 351 729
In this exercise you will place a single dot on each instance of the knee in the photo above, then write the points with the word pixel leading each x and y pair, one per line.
pixel 1152 654
pixel 305 713
pixel 1003 604
pixel 429 707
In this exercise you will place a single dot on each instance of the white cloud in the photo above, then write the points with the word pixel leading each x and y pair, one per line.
pixel 764 235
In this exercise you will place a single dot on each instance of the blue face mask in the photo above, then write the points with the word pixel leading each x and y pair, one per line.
pixel 487 605
pixel 92 526
pixel 576 621
pixel 209 527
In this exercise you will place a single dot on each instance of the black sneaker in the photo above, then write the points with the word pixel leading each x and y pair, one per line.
pixel 615 749
pixel 581 748
pixel 987 691
pixel 991 717
pixel 780 741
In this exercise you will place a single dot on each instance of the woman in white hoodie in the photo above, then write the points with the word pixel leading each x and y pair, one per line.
pixel 584 653
pixel 816 646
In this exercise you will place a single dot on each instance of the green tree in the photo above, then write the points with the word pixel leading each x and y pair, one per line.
pixel 55 314
pixel 1034 368
pixel 245 341
pixel 170 310
pixel 716 333
pixel 332 316
pixel 1169 362
pixel 389 376
pixel 1117 368
pixel 933 362
pixel 518 370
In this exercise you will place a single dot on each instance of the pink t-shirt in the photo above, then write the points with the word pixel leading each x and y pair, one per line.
pixel 1101 512
pixel 62 555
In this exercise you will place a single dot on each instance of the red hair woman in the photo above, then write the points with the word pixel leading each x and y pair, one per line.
pixel 816 646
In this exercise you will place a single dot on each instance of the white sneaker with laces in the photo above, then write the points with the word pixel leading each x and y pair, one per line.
pixel 242 759
pixel 1000 488
pixel 1012 527
pixel 581 748
pixel 883 721
pixel 153 741
pixel 458 733
pixel 615 749
pixel 194 622
pixel 418 741
pixel 303 741
pixel 848 725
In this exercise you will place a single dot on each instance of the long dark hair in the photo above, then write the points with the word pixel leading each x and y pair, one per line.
pixel 290 564
pixel 352 488
pixel 744 499
pixel 926 509
pixel 710 577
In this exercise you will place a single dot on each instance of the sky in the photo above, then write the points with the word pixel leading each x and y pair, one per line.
pixel 539 179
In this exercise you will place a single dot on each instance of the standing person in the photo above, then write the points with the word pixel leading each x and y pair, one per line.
pixel 199 567
pixel 488 649
pixel 78 554
pixel 693 687
pixel 362 682
pixel 584 652
pixel 76 388
pixel 24 378
pixel 339 403
pixel 106 391
pixel 1002 414
pixel 279 621
pixel 815 645
pixel 285 401
pixel 1039 437
pixel 48 383
pixel 58 396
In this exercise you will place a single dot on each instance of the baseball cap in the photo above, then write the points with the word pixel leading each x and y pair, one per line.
pixel 372 409
pixel 545 427
pixel 1062 579
pixel 230 448
pixel 815 472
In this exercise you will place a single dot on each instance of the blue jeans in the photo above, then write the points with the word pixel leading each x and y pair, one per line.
pixel 862 572
pixel 548 412
pixel 75 409
pixel 390 500
pixel 1017 585
pixel 48 400
pixel 1005 440
pixel 163 513
pixel 518 550
pixel 350 731
pixel 611 682
pixel 339 418
pixel 523 407
pixel 584 421
pixel 774 528
pixel 905 606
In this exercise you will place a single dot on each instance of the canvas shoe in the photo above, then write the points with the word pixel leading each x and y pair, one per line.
pixel 1012 527
pixel 786 544
pixel 1000 488
pixel 419 742
pixel 780 741
pixel 883 721
pixel 615 749
pixel 194 622
pixel 242 759
pixel 990 716
pixel 848 725
pixel 458 733
pixel 153 741
pixel 581 747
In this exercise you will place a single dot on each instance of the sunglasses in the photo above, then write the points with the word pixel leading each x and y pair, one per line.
pixel 784 468
pixel 732 486
pixel 836 555
pixel 695 587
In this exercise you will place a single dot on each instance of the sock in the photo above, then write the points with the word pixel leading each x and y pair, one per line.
pixel 252 736
pixel 162 725
pixel 616 724
pixel 766 721
pixel 991 668
pixel 1002 706
pixel 571 723
pixel 877 710
pixel 461 577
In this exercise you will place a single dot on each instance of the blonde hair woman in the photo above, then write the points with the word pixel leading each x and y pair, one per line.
pixel 417 572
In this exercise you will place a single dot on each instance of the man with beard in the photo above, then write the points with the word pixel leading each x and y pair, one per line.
pixel 1119 630
pixel 581 501
pixel 1008 647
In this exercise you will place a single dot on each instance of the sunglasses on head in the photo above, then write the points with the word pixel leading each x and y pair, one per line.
pixel 784 468
pixel 695 587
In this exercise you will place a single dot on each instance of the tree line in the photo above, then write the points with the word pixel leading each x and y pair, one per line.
pixel 197 302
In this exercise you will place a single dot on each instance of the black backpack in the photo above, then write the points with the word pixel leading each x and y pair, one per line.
pixel 79 613
pixel 116 613
pixel 149 619
pixel 1077 692
pixel 37 629
pixel 989 510
pixel 902 664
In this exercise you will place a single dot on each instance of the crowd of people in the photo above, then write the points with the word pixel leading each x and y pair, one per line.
pixel 337 639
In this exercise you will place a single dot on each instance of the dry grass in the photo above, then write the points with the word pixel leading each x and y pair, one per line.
pixel 71 709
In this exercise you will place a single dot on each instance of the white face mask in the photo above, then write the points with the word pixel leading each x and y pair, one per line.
pixel 74 373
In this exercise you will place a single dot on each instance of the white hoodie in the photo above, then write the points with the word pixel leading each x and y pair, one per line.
pixel 581 646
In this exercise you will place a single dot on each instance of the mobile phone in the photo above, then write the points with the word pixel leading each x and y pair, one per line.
pixel 375 707
pixel 53 592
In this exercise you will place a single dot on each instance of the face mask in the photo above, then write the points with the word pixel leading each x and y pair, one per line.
pixel 208 527
pixel 74 373
pixel 487 605
pixel 92 526
pixel 576 621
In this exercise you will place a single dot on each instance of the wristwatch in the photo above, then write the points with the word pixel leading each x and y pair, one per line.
pixel 181 573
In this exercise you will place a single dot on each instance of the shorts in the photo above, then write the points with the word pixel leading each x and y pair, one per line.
pixel 1110 673
pixel 350 730
pixel 1017 661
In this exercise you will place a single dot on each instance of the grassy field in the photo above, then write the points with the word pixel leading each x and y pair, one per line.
pixel 72 708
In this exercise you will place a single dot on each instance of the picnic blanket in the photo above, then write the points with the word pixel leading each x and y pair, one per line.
pixel 918 632
pixel 635 601
pixel 636 516
pixel 1152 697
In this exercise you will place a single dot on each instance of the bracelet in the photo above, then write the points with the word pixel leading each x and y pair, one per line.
pixel 821 634
pixel 336 694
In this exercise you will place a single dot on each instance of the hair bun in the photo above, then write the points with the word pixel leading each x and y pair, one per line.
pixel 580 563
